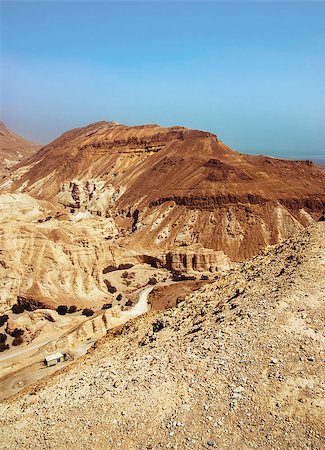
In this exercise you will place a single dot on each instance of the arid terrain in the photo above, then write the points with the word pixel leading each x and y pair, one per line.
pixel 108 223
pixel 238 364
pixel 13 149
pixel 172 187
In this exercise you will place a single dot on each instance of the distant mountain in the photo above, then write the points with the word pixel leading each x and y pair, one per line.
pixel 13 148
pixel 319 161
pixel 169 187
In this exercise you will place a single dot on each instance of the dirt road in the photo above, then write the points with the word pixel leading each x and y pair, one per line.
pixel 35 370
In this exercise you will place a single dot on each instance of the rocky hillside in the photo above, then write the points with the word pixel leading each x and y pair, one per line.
pixel 174 187
pixel 49 259
pixel 238 364
pixel 13 148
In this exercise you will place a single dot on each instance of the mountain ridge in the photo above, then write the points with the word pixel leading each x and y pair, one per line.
pixel 13 148
pixel 159 175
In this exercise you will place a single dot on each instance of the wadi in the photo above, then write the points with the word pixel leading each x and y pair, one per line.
pixel 220 253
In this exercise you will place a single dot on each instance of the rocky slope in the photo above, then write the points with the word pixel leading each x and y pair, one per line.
pixel 48 259
pixel 171 187
pixel 236 365
pixel 95 215
pixel 13 148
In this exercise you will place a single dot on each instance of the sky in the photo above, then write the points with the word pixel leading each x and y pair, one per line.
pixel 251 72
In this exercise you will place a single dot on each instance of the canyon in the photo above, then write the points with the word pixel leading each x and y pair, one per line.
pixel 236 364
pixel 125 221
pixel 158 201
pixel 172 199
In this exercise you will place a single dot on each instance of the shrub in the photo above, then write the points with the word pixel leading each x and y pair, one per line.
pixel 157 326
pixel 87 312
pixel 72 309
pixel 128 275
pixel 18 309
pixel 108 269
pixel 129 303
pixel 119 297
pixel 3 347
pixel 3 319
pixel 29 307
pixel 179 300
pixel 62 310
pixel 111 289
pixel 204 277
pixel 3 338
pixel 17 341
pixel 125 266
pixel 17 332
pixel 107 306
pixel 177 276
pixel 152 281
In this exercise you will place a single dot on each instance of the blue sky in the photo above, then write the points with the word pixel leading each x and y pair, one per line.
pixel 251 72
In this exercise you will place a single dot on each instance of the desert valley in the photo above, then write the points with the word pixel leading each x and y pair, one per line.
pixel 221 253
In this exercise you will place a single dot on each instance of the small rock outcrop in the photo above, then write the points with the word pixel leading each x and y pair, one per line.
pixel 91 195
pixel 196 259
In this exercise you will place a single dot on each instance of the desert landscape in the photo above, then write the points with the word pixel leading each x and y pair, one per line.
pixel 101 226
pixel 103 212
pixel 162 225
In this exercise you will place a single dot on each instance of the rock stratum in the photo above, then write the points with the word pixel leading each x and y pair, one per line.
pixel 170 187
pixel 172 198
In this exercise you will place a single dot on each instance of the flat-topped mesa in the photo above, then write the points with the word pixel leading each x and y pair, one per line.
pixel 111 135
pixel 135 142
pixel 144 139
pixel 104 150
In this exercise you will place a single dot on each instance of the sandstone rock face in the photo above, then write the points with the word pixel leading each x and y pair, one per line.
pixel 94 328
pixel 37 322
pixel 196 259
pixel 28 320
pixel 13 148
pixel 52 261
pixel 92 196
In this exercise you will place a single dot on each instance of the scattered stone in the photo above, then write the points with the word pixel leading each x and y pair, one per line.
pixel 274 361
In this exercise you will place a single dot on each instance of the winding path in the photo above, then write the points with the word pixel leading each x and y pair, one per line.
pixel 139 308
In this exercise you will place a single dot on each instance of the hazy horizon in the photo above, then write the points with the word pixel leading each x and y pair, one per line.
pixel 252 73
